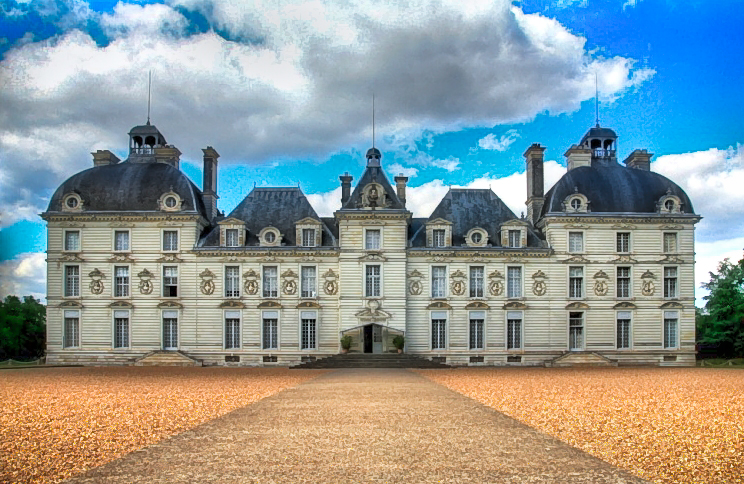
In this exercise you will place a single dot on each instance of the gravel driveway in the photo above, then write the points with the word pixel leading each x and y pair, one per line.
pixel 361 425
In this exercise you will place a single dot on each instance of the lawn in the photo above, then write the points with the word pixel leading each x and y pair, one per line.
pixel 57 422
pixel 667 425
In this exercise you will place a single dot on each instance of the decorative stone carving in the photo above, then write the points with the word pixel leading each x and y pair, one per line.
pixel 372 312
pixel 439 305
pixel 671 259
pixel 624 259
pixel 601 285
pixel 672 305
pixel 515 305
pixel 232 304
pixel 270 258
pixel 331 283
pixel 269 305
pixel 457 286
pixel 96 285
pixel 477 305
pixel 439 258
pixel 496 286
pixel 308 305
pixel 624 305
pixel 70 258
pixel 251 282
pixel 70 304
pixel 289 285
pixel 145 284
pixel 373 256
pixel 539 288
pixel 577 259
pixel 122 258
pixel 207 283
pixel 170 258
pixel 170 305
pixel 577 305
pixel 121 305
pixel 414 283
pixel 647 283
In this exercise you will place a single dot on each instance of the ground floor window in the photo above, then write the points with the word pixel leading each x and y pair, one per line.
pixel 170 330
pixel 514 330
pixel 71 336
pixel 309 330
pixel 232 330
pixel 575 331
pixel 623 329
pixel 270 330
pixel 121 329
pixel 671 330
pixel 438 330
pixel 477 319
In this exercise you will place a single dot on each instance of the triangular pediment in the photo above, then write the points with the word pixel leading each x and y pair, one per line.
pixel 439 221
pixel 384 198
pixel 231 221
pixel 308 221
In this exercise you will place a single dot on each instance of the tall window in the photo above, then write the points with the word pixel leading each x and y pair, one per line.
pixel 170 281
pixel 513 330
pixel 121 240
pixel 671 320
pixel 372 281
pixel 121 281
pixel 670 282
pixel 308 282
pixel 477 319
pixel 438 281
pixel 270 330
pixel 231 237
pixel 670 242
pixel 575 241
pixel 308 237
pixel 121 329
pixel 438 236
pixel 515 238
pixel 476 281
pixel 623 241
pixel 170 240
pixel 232 281
pixel 623 330
pixel 309 330
pixel 72 281
pixel 270 281
pixel 575 282
pixel 170 330
pixel 71 336
pixel 72 240
pixel 232 330
pixel 623 282
pixel 513 282
pixel 576 331
pixel 372 239
pixel 438 330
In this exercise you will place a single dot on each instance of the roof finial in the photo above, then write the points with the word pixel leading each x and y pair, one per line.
pixel 373 119
pixel 149 90
pixel 596 96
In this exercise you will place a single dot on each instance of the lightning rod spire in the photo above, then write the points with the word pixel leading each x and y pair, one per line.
pixel 373 120
pixel 596 96
pixel 149 92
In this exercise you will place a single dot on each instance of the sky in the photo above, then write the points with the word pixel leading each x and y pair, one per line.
pixel 283 89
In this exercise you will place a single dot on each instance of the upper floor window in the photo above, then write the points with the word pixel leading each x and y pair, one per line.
pixel 439 237
pixel 438 281
pixel 308 237
pixel 575 282
pixel 372 281
pixel 170 281
pixel 72 240
pixel 308 281
pixel 121 240
pixel 513 282
pixel 72 281
pixel 232 281
pixel 372 239
pixel 231 238
pixel 623 282
pixel 670 282
pixel 170 240
pixel 670 242
pixel 515 238
pixel 476 281
pixel 575 241
pixel 623 241
pixel 270 281
pixel 121 281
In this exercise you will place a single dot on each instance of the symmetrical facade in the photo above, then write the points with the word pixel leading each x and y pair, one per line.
pixel 140 260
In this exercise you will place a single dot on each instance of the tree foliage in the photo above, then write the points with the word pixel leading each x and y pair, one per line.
pixel 722 323
pixel 22 328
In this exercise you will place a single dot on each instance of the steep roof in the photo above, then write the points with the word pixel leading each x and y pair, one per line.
pixel 373 174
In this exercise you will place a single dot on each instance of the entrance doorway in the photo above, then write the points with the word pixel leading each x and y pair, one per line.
pixel 170 330
pixel 373 338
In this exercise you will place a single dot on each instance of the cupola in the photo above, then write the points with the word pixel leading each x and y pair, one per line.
pixel 373 157
pixel 142 142
pixel 602 142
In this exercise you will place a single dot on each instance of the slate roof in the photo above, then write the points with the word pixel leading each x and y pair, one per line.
pixel 612 188
pixel 129 187
pixel 377 175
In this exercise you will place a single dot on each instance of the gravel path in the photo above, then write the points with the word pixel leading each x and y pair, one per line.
pixel 361 426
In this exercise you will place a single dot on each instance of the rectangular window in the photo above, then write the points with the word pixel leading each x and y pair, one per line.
pixel 232 281
pixel 438 281
pixel 372 239
pixel 170 281
pixel 670 242
pixel 438 236
pixel 513 282
pixel 575 241
pixel 232 330
pixel 121 281
pixel 513 330
pixel 308 237
pixel 575 331
pixel 623 282
pixel 515 238
pixel 623 329
pixel 309 330
pixel 623 241
pixel 476 281
pixel 372 281
pixel 671 320
pixel 477 318
pixel 438 330
pixel 170 330
pixel 231 238
pixel 270 330
pixel 670 282
pixel 308 282
pixel 575 282
pixel 121 240
pixel 270 281
pixel 72 281
pixel 170 240
pixel 72 240
pixel 121 329
pixel 71 336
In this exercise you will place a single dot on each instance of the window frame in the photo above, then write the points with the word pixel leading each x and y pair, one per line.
pixel 482 281
pixel 178 240
pixel 77 315
pixel 364 280
pixel 114 233
pixel 65 277
pixel 314 234
pixel 79 240
pixel 240 329
pixel 583 282
pixel 471 318
pixel 618 234
pixel 507 319
pixel 629 279
pixel 663 243
pixel 446 318
pixel 301 318
pixel 664 320
pixel 617 330
pixel 583 329
pixel 676 281
pixel 229 231
pixel 434 233
pixel 367 231
pixel 115 333
pixel 178 326
pixel 115 284
pixel 177 285
pixel 511 232
pixel 568 242
pixel 278 328
pixel 315 293
pixel 225 267
pixel 521 281
pixel 264 279
pixel 445 294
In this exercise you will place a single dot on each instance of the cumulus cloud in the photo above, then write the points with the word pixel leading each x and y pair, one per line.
pixel 492 143
pixel 396 168
pixel 24 276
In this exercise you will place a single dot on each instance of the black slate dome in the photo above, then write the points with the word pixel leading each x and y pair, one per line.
pixel 129 187
pixel 612 188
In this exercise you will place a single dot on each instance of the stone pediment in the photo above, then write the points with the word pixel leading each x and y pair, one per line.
pixel 231 221
pixel 232 304
pixel 170 258
pixel 373 256
pixel 515 305
pixel 577 305
pixel 170 304
pixel 308 305
pixel 624 305
pixel 372 312
pixel 623 259
pixel 121 305
pixel 70 304
pixel 577 259
pixel 269 305
pixel 308 221
pixel 477 305
pixel 439 221
pixel 125 258
pixel 671 305
pixel 439 305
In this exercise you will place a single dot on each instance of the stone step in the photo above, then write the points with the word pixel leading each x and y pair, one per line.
pixel 581 358
pixel 362 360
pixel 167 358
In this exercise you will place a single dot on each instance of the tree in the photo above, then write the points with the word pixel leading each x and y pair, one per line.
pixel 22 328
pixel 723 323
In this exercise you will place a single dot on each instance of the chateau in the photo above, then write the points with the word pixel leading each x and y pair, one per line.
pixel 600 270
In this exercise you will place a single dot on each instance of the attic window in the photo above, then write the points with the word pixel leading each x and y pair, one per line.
pixel 476 237
pixel 669 205
pixel 576 203
pixel 270 237
pixel 72 202
pixel 170 202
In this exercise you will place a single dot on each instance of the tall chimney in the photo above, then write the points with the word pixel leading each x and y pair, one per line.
pixel 534 156
pixel 104 157
pixel 640 160
pixel 577 156
pixel 210 181
pixel 400 184
pixel 168 154
pixel 345 187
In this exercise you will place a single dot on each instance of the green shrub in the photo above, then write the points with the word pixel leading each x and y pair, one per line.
pixel 346 342
pixel 399 342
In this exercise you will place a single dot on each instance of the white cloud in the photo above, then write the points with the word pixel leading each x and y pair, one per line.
pixel 630 3
pixel 24 276
pixel 325 203
pixel 490 142
pixel 396 168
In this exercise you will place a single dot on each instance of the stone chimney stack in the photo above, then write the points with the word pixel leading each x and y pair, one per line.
pixel 400 185
pixel 577 156
pixel 210 182
pixel 345 187
pixel 535 156
pixel 104 157
pixel 168 154
pixel 640 160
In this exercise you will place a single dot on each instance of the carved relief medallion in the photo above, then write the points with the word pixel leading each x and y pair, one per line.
pixel 647 283
pixel 207 283
pixel 539 288
pixel 251 282
pixel 145 284
pixel 96 284
pixel 601 286
pixel 496 286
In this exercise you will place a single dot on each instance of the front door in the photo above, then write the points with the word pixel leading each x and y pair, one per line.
pixel 377 339
pixel 170 333
pixel 576 332
pixel 368 335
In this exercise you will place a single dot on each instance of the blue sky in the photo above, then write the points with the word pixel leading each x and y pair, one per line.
pixel 284 91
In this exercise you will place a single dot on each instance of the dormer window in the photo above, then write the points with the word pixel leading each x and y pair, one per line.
pixel 514 238
pixel 170 202
pixel 270 237
pixel 308 237
pixel 232 232
pixel 308 232
pixel 439 233
pixel 514 234
pixel 439 236
pixel 669 203
pixel 72 203
pixel 576 203
pixel 231 238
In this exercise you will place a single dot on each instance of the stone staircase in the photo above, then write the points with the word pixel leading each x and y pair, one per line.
pixel 371 360
pixel 166 358
pixel 581 358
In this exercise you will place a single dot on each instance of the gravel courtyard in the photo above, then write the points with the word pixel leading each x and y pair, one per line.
pixel 667 425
